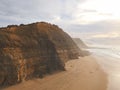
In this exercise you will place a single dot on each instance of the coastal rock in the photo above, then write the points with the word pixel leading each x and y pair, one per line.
pixel 33 50
pixel 80 43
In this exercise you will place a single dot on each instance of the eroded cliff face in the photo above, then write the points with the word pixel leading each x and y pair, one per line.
pixel 30 51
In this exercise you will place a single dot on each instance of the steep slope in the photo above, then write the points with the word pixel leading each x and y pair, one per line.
pixel 80 43
pixel 30 51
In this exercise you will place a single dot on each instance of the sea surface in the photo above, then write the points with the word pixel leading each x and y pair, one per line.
pixel 109 59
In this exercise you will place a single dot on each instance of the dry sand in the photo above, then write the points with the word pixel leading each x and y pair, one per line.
pixel 81 74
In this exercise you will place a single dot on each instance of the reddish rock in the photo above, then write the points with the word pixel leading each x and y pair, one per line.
pixel 33 50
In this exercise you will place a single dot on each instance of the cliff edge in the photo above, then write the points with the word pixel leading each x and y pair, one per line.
pixel 80 43
pixel 33 50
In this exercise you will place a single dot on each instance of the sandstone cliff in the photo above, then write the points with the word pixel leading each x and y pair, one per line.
pixel 30 51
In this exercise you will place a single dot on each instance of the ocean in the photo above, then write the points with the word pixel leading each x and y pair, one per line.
pixel 109 59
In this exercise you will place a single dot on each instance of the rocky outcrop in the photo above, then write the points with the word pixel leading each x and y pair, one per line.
pixel 80 43
pixel 82 46
pixel 33 50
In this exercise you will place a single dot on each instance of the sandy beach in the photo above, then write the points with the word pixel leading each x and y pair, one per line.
pixel 80 74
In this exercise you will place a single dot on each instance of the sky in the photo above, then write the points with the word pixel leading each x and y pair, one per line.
pixel 87 19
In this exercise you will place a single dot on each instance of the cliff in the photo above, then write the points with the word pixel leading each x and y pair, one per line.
pixel 33 50
pixel 80 43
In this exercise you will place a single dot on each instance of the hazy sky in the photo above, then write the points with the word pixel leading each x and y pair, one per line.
pixel 80 18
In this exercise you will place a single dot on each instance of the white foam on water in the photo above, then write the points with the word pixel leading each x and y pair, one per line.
pixel 109 59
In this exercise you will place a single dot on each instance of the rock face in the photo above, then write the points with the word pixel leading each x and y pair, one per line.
pixel 30 51
pixel 80 43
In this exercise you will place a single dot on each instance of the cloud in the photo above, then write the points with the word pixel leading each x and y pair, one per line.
pixel 103 29
pixel 26 11
pixel 108 35
pixel 29 10
pixel 80 18
pixel 60 12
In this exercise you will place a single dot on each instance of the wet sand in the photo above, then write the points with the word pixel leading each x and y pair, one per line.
pixel 109 60
pixel 81 74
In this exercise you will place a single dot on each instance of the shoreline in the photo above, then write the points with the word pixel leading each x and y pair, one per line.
pixel 81 74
